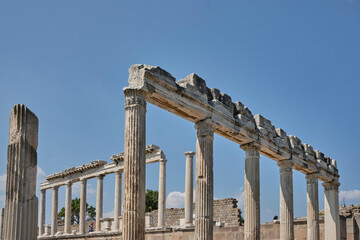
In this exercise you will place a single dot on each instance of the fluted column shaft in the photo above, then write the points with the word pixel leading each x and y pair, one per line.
pixel 99 202
pixel 189 185
pixel 332 220
pixel 42 211
pixel 134 166
pixel 313 232
pixel 82 216
pixel 117 201
pixel 204 181
pixel 252 191
pixel 54 212
pixel 162 193
pixel 67 227
pixel 286 200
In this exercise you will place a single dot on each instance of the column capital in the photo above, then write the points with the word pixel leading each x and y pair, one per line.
pixel 69 183
pixel 83 180
pixel 55 187
pixel 43 190
pixel 250 146
pixel 162 160
pixel 134 98
pixel 205 128
pixel 100 176
pixel 189 154
pixel 331 185
pixel 285 164
pixel 312 176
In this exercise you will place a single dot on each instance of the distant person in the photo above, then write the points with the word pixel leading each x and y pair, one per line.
pixel 276 220
pixel 91 227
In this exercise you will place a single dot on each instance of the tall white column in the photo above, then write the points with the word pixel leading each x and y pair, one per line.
pixel 42 211
pixel 286 200
pixel 67 227
pixel 332 220
pixel 54 213
pixel 252 191
pixel 117 201
pixel 204 180
pixel 313 232
pixel 134 165
pixel 189 185
pixel 99 202
pixel 162 193
pixel 82 216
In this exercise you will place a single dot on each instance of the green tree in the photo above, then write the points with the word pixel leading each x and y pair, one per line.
pixel 75 211
pixel 151 200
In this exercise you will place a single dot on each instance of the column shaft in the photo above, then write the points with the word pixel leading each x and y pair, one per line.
pixel 117 200
pixel 286 200
pixel 189 191
pixel 54 213
pixel 82 206
pixel 204 181
pixel 134 166
pixel 67 227
pixel 162 193
pixel 42 211
pixel 332 219
pixel 99 202
pixel 252 192
pixel 313 232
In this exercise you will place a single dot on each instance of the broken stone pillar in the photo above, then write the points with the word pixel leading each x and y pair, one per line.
pixel 99 201
pixel 313 232
pixel 162 193
pixel 42 211
pixel 189 185
pixel 134 166
pixel 67 226
pixel 21 203
pixel 252 192
pixel 204 180
pixel 286 200
pixel 117 204
pixel 54 212
pixel 331 206
pixel 82 216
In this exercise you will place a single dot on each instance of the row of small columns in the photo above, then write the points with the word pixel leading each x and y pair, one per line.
pixel 134 184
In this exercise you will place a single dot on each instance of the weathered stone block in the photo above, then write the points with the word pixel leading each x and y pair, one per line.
pixel 281 139
pixel 138 72
pixel 195 86
pixel 295 144
pixel 265 126
pixel 309 152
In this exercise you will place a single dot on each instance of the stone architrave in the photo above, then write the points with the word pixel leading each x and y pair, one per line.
pixel 134 166
pixel 21 204
pixel 331 206
pixel 313 232
pixel 204 180
pixel 189 185
pixel 252 191
pixel 286 200
pixel 162 193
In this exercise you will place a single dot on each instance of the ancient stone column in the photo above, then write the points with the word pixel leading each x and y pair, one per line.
pixel 82 216
pixel 2 215
pixel 117 205
pixel 42 211
pixel 332 220
pixel 286 200
pixel 252 191
pixel 21 203
pixel 54 212
pixel 162 193
pixel 99 202
pixel 189 184
pixel 204 180
pixel 67 227
pixel 313 232
pixel 134 166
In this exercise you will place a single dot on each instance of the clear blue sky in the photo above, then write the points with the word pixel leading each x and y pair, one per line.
pixel 295 62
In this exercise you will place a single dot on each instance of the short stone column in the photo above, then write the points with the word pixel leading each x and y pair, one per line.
pixel 42 211
pixel 313 232
pixel 162 193
pixel 204 180
pixel 286 200
pixel 117 200
pixel 134 166
pixel 332 219
pixel 82 216
pixel 54 212
pixel 99 201
pixel 67 226
pixel 252 191
pixel 21 203
pixel 189 185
